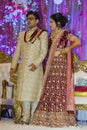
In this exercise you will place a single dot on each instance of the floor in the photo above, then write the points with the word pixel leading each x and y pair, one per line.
pixel 10 125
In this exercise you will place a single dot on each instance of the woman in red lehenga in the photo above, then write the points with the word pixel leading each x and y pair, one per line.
pixel 56 105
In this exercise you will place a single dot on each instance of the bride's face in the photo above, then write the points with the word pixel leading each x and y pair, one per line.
pixel 53 25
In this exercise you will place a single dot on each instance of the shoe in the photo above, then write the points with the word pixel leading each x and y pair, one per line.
pixel 24 122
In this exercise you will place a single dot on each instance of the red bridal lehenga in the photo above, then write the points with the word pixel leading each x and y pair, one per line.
pixel 52 108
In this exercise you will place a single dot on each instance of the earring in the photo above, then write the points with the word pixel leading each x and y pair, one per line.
pixel 58 25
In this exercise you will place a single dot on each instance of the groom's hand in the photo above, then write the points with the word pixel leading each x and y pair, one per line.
pixel 32 67
pixel 12 72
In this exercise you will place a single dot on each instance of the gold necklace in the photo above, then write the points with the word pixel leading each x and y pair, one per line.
pixel 55 33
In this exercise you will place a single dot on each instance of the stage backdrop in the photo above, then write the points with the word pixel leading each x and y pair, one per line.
pixel 13 20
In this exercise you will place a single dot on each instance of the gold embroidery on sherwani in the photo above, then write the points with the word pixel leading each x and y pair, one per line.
pixel 29 84
pixel 35 35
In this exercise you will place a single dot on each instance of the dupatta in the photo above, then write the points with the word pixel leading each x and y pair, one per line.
pixel 70 92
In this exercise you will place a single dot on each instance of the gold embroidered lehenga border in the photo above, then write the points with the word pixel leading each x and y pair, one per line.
pixel 51 119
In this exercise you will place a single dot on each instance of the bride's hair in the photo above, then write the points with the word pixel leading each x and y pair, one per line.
pixel 59 18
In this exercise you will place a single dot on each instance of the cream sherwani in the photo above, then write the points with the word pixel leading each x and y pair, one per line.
pixel 29 83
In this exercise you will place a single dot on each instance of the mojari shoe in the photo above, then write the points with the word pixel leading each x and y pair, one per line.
pixel 24 122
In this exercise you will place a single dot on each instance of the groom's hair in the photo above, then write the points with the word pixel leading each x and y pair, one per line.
pixel 33 13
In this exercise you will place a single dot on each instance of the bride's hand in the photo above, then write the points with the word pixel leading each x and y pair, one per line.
pixel 57 53
pixel 65 50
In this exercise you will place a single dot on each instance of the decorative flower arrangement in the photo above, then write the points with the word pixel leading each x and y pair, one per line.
pixel 13 19
pixel 13 22
pixel 17 10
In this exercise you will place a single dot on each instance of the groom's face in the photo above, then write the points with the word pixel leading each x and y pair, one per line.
pixel 32 21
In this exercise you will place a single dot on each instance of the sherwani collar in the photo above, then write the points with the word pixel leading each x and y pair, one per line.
pixel 33 29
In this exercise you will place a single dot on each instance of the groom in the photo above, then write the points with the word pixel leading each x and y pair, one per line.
pixel 32 48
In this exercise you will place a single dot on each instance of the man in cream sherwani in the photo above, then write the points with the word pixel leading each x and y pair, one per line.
pixel 32 47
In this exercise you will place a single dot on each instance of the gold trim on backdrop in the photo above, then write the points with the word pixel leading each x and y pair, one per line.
pixel 78 65
pixel 82 94
pixel 81 107
pixel 4 58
